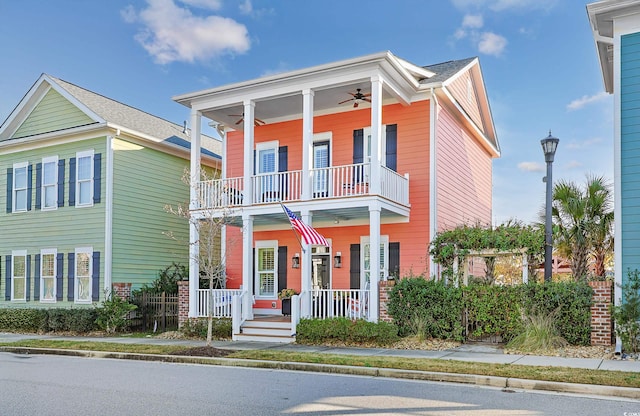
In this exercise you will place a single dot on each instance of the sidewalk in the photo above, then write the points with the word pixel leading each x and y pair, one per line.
pixel 466 352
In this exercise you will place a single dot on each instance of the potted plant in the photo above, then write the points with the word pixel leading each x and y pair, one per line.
pixel 285 296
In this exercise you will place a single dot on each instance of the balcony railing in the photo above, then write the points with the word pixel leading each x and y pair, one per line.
pixel 331 182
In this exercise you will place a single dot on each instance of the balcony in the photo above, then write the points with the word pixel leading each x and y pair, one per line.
pixel 347 181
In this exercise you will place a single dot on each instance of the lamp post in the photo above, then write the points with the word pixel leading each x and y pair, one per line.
pixel 549 146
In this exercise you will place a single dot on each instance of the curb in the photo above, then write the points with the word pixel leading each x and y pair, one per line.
pixel 471 379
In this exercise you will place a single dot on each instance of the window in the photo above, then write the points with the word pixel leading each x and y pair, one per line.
pixel 19 275
pixel 267 168
pixel 266 268
pixel 321 163
pixel 50 183
pixel 83 268
pixel 365 259
pixel 20 186
pixel 48 275
pixel 84 178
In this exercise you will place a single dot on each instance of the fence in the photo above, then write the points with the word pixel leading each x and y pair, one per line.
pixel 157 312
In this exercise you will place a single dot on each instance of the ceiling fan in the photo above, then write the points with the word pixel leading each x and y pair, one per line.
pixel 256 121
pixel 357 96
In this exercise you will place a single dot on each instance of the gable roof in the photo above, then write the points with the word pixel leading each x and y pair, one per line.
pixel 445 70
pixel 101 111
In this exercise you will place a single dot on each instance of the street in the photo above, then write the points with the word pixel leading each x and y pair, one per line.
pixel 59 385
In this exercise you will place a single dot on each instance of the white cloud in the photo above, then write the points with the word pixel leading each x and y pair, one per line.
pixel 579 103
pixel 472 21
pixel 246 7
pixel 282 67
pixel 492 44
pixel 172 33
pixel 575 145
pixel 531 166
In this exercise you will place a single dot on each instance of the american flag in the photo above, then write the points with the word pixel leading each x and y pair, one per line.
pixel 308 233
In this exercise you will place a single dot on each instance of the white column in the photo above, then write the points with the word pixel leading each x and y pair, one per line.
pixel 376 134
pixel 305 266
pixel 525 268
pixel 374 256
pixel 194 235
pixel 223 230
pixel 307 142
pixel 433 176
pixel 247 257
pixel 249 115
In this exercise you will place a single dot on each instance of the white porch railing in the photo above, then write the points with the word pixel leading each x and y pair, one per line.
pixel 276 187
pixel 218 193
pixel 334 303
pixel 394 186
pixel 219 299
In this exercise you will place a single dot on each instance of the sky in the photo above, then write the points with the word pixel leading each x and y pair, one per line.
pixel 538 59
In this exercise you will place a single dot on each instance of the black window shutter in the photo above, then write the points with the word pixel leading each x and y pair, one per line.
pixel 71 264
pixel 358 146
pixel 282 268
pixel 28 279
pixel 392 147
pixel 7 281
pixel 95 277
pixel 354 266
pixel 255 162
pixel 253 277
pixel 38 185
pixel 59 275
pixel 283 167
pixel 97 172
pixel 61 183
pixel 394 259
pixel 72 181
pixel 36 278
pixel 29 186
pixel 9 189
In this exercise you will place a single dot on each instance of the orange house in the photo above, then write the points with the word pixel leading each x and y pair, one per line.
pixel 375 153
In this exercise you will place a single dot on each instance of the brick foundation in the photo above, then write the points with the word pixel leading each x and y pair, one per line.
pixel 122 290
pixel 384 289
pixel 601 320
pixel 183 302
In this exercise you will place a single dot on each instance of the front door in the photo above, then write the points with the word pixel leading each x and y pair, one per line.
pixel 321 173
pixel 320 271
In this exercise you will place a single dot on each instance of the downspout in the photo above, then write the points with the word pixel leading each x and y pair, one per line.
pixel 108 214
pixel 432 179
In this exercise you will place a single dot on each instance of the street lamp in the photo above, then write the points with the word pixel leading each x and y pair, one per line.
pixel 549 146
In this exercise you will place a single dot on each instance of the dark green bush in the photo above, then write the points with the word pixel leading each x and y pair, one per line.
pixel 359 331
pixel 492 311
pixel 571 299
pixel 23 320
pixel 197 328
pixel 112 314
pixel 79 320
pixel 436 306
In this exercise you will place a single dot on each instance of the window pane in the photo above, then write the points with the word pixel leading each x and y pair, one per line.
pixel 267 161
pixel 20 177
pixel 18 288
pixel 19 263
pixel 84 196
pixel 50 197
pixel 84 288
pixel 267 284
pixel 49 173
pixel 84 168
pixel 48 265
pixel 21 200
pixel 48 288
pixel 266 259
pixel 82 265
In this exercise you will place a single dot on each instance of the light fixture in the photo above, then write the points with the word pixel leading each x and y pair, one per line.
pixel 549 146
pixel 295 261
pixel 337 260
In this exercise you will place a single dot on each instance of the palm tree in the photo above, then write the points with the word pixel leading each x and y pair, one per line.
pixel 583 221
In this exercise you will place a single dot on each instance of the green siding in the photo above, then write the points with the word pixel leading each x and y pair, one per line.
pixel 630 152
pixel 145 180
pixel 53 113
pixel 64 229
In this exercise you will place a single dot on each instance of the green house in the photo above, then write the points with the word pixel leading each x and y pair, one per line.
pixel 84 185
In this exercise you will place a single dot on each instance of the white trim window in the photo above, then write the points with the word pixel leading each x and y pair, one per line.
pixel 19 275
pixel 266 276
pixel 367 151
pixel 50 183
pixel 365 258
pixel 267 171
pixel 48 272
pixel 20 186
pixel 84 178
pixel 82 273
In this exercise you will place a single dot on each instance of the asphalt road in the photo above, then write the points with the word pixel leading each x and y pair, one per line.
pixel 58 385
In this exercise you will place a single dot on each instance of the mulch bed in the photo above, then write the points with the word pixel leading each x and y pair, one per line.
pixel 204 352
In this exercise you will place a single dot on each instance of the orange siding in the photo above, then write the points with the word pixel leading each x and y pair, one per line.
pixel 463 176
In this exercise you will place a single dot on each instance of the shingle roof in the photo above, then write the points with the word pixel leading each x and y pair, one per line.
pixel 445 70
pixel 132 118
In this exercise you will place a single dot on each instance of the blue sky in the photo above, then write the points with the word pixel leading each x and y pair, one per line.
pixel 537 56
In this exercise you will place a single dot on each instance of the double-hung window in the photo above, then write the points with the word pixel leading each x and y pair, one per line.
pixel 267 171
pixel 50 183
pixel 83 268
pixel 266 268
pixel 84 178
pixel 19 275
pixel 366 258
pixel 20 186
pixel 48 275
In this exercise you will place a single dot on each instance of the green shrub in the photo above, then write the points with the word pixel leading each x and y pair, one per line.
pixel 492 310
pixel 358 331
pixel 112 315
pixel 436 306
pixel 167 280
pixel 627 314
pixel 572 300
pixel 197 328
pixel 23 320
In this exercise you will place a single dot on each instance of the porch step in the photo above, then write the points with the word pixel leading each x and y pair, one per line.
pixel 266 330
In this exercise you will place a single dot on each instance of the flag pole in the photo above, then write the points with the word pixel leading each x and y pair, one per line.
pixel 292 229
